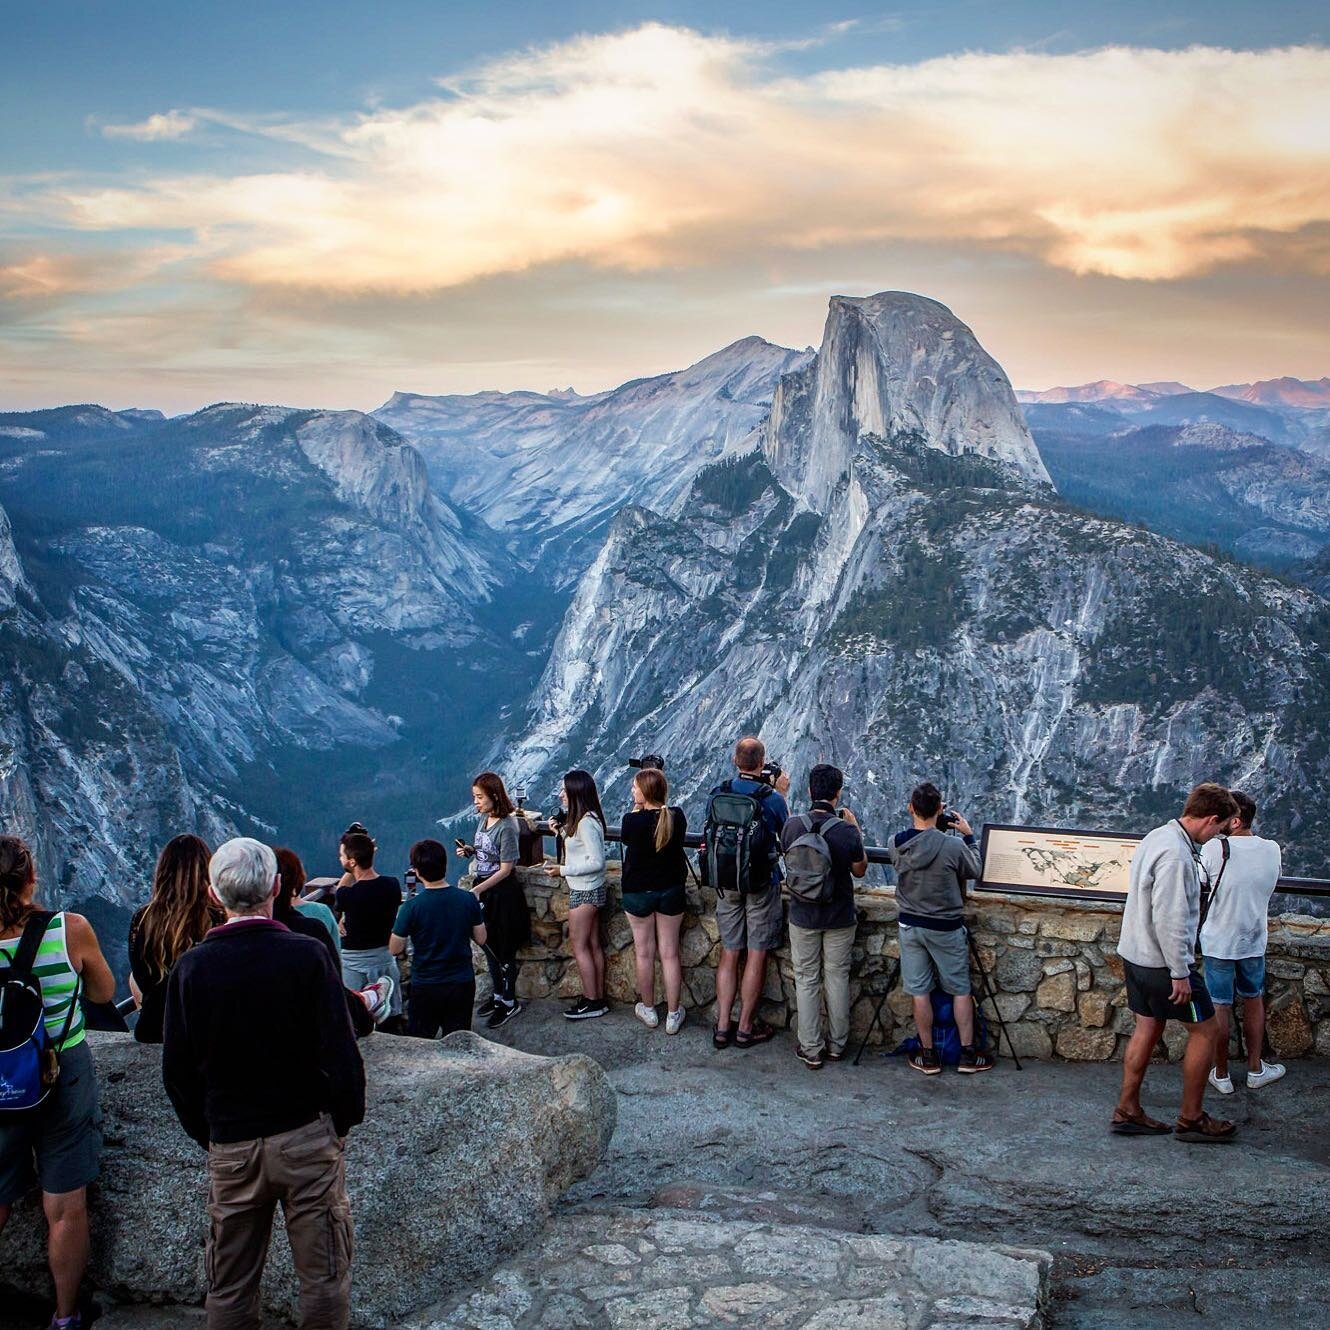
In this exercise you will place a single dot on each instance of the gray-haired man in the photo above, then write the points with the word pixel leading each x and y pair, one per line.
pixel 261 1064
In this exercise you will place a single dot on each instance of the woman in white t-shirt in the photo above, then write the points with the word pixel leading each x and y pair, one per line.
pixel 1244 870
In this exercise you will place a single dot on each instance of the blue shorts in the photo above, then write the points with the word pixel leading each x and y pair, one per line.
pixel 1220 975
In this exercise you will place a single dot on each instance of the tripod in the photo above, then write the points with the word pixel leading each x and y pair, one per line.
pixel 893 973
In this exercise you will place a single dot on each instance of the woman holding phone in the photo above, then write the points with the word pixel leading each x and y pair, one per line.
pixel 583 868
pixel 496 849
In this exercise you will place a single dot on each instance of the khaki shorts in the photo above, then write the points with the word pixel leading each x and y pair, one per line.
pixel 751 923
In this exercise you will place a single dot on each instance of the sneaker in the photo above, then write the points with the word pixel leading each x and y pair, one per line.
pixel 587 1009
pixel 486 1008
pixel 1224 1084
pixel 674 1021
pixel 973 1060
pixel 74 1322
pixel 926 1060
pixel 378 999
pixel 1270 1071
pixel 834 1054
pixel 647 1015
pixel 502 1014
pixel 811 1060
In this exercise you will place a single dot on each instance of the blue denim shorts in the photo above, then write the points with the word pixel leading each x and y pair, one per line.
pixel 1220 975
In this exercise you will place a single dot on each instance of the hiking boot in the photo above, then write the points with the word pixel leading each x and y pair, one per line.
pixel 926 1060
pixel 674 1021
pixel 647 1015
pixel 587 1009
pixel 973 1060
pixel 1270 1071
pixel 502 1014
pixel 1224 1084
pixel 810 1059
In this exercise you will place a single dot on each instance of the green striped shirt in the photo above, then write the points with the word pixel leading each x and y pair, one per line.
pixel 58 980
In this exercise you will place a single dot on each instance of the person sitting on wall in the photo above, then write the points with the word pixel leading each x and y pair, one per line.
pixel 440 922
pixel 366 903
pixel 932 869
pixel 1157 946
pixel 1244 870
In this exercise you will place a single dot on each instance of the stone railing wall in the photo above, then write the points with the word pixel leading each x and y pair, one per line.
pixel 1053 965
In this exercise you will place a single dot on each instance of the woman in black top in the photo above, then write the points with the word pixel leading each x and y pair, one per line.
pixel 654 870
pixel 176 918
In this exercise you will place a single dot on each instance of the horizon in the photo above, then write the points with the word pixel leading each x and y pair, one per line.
pixel 326 211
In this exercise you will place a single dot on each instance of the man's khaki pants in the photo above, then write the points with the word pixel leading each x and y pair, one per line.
pixel 305 1171
pixel 821 958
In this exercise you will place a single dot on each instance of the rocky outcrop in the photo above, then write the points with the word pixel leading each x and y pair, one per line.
pixel 465 1148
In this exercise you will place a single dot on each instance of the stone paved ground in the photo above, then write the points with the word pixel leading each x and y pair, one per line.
pixel 1145 1232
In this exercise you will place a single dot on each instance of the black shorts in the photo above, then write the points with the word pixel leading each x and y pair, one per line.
pixel 1150 993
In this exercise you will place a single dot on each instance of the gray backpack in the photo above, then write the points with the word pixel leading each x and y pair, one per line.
pixel 808 862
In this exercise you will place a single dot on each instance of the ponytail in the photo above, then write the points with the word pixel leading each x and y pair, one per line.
pixel 17 874
pixel 656 790
pixel 664 828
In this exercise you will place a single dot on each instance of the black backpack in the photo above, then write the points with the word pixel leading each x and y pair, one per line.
pixel 29 1065
pixel 738 849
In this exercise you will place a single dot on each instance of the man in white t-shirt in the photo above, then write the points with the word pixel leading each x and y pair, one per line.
pixel 1243 871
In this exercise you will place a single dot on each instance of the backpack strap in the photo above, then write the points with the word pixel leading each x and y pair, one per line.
pixel 25 955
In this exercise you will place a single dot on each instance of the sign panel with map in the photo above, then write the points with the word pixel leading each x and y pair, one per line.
pixel 1054 861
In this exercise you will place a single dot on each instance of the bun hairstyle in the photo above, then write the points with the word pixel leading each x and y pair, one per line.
pixel 17 874
pixel 656 790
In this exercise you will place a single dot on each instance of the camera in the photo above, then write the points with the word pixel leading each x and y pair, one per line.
pixel 412 881
pixel 648 761
pixel 946 819
pixel 771 772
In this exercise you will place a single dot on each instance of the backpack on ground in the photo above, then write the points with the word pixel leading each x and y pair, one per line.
pixel 739 849
pixel 946 1037
pixel 29 1065
pixel 808 861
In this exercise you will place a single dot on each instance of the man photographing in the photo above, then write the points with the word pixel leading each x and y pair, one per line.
pixel 932 869
pixel 1157 946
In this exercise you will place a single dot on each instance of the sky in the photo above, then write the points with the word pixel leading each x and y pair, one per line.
pixel 321 204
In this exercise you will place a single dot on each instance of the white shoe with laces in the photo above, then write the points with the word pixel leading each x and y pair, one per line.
pixel 1224 1084
pixel 378 998
pixel 647 1015
pixel 1270 1071
pixel 674 1021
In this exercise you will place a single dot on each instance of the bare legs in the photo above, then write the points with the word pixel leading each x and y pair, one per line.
pixel 1253 1033
pixel 658 935
pixel 67 1244
pixel 1195 1065
pixel 750 993
pixel 584 932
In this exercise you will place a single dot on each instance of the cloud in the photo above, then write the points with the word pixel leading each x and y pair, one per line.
pixel 155 129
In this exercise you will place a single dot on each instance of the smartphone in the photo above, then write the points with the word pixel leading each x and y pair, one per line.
pixel 460 843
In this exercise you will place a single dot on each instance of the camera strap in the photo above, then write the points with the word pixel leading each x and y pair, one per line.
pixel 1209 897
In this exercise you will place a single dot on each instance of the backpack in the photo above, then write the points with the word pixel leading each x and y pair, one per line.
pixel 738 847
pixel 946 1037
pixel 808 862
pixel 29 1065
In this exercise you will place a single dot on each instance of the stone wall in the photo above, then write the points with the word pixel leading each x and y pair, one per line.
pixel 1053 965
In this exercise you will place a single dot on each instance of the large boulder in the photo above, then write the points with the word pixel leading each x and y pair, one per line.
pixel 465 1147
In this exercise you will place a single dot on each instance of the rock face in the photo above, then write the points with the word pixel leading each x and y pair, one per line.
pixel 634 1271
pixel 903 607
pixel 465 1148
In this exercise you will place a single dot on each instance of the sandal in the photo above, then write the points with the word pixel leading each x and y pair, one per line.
pixel 759 1034
pixel 720 1038
pixel 1204 1130
pixel 1139 1125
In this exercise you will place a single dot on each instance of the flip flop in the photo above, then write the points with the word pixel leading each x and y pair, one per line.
pixel 1140 1125
pixel 1204 1130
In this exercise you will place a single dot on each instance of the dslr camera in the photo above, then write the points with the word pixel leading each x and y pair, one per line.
pixel 648 761
pixel 771 772
pixel 946 819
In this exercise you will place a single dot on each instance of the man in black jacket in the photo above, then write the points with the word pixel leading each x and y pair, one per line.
pixel 261 1064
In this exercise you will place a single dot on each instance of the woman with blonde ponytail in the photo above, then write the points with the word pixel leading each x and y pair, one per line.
pixel 654 872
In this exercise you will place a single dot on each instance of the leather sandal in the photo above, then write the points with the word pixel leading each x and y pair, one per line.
pixel 1204 1130
pixel 721 1038
pixel 759 1034
pixel 1138 1124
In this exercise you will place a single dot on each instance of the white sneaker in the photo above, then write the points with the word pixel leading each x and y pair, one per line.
pixel 1270 1071
pixel 647 1015
pixel 1224 1084
pixel 378 999
pixel 674 1021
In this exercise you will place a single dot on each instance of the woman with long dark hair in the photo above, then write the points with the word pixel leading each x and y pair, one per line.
pixel 176 917
pixel 584 870
pixel 654 872
pixel 59 1140
pixel 496 849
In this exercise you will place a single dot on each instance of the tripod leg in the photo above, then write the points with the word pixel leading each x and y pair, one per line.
pixel 892 976
pixel 990 994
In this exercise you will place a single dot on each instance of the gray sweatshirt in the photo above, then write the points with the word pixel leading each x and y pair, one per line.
pixel 1163 906
pixel 931 870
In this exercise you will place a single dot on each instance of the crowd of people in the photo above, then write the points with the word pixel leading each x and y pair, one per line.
pixel 258 984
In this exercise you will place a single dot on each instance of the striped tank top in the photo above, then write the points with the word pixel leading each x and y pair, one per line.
pixel 58 979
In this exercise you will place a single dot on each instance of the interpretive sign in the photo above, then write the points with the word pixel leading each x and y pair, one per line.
pixel 1056 861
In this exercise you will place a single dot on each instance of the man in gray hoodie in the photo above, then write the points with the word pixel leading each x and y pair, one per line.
pixel 932 869
pixel 1158 950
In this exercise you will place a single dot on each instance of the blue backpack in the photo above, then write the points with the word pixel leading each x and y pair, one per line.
pixel 946 1037
pixel 29 1065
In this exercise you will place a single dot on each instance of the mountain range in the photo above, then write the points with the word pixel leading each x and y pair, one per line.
pixel 272 619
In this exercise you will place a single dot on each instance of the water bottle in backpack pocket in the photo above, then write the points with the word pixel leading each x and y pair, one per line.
pixel 739 849
pixel 29 1062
